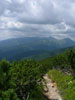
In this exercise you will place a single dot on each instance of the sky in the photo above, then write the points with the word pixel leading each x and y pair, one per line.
pixel 37 18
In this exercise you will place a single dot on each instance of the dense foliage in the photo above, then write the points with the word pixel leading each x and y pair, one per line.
pixel 21 80
pixel 65 61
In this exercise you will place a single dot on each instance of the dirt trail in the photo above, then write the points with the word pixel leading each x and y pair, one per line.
pixel 50 89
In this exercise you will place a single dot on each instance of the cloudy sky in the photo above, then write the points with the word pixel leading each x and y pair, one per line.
pixel 41 18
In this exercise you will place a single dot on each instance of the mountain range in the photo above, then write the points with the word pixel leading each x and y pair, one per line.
pixel 31 47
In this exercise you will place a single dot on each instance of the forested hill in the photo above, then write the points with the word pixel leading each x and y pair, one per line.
pixel 32 47
pixel 22 80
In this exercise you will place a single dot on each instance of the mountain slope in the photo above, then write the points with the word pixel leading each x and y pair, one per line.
pixel 15 49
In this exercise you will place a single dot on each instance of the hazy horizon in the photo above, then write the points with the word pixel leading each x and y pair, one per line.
pixel 36 37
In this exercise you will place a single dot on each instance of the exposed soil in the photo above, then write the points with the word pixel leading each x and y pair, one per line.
pixel 50 89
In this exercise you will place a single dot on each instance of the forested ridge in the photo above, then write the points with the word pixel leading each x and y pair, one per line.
pixel 21 80
pixel 21 48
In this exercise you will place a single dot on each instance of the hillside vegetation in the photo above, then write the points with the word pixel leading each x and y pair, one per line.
pixel 65 83
pixel 21 80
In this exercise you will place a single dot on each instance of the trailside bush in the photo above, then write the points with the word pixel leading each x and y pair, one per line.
pixel 20 79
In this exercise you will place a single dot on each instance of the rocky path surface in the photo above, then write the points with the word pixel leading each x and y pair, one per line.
pixel 50 89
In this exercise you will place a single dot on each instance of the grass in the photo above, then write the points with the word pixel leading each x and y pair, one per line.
pixel 65 83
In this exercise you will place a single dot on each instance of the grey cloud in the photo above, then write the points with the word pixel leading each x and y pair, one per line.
pixel 37 18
